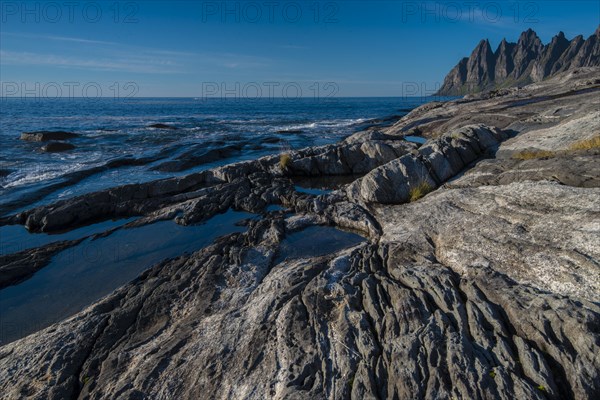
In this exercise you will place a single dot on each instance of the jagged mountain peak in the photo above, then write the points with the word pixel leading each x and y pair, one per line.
pixel 483 46
pixel 528 36
pixel 560 38
pixel 519 63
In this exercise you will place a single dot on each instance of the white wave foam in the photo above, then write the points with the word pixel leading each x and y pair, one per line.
pixel 334 123
pixel 40 173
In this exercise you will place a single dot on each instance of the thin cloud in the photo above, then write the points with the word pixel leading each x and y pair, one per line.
pixel 131 58
pixel 138 64
pixel 60 38
pixel 100 42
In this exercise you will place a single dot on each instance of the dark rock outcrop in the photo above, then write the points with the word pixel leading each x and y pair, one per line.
pixel 45 136
pixel 521 63
pixel 57 147
pixel 194 157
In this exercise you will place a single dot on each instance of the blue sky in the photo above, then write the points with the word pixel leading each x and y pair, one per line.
pixel 192 48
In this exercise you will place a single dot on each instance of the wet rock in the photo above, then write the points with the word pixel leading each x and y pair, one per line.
pixel 44 136
pixel 191 158
pixel 57 147
pixel 128 200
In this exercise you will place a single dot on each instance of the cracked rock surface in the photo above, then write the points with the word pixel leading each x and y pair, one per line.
pixel 485 288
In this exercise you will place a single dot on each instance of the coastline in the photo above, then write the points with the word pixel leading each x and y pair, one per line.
pixel 443 264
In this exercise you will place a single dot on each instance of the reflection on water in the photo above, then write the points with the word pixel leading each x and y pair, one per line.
pixel 16 238
pixel 318 185
pixel 79 276
pixel 316 241
pixel 313 191
pixel 415 139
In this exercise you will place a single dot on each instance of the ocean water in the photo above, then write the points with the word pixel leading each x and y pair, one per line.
pixel 117 146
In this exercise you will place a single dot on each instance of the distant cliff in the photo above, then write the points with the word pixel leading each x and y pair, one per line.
pixel 521 63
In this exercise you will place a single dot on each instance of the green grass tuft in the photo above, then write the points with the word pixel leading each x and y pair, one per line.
pixel 533 154
pixel 417 192
pixel 593 143
pixel 588 144
pixel 285 160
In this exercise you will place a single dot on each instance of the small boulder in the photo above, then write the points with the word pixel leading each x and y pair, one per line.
pixel 392 183
pixel 56 147
pixel 45 136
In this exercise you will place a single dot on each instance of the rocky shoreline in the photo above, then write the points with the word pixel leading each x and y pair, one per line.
pixel 478 276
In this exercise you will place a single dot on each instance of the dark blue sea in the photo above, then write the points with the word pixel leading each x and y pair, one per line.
pixel 116 145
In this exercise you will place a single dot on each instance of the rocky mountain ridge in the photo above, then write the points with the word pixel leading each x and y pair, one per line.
pixel 521 63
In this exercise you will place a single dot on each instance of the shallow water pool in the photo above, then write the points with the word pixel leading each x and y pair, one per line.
pixel 316 241
pixel 79 276
pixel 16 238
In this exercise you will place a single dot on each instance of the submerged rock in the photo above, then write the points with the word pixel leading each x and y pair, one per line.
pixel 290 131
pixel 56 147
pixel 194 157
pixel 44 136
pixel 162 126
